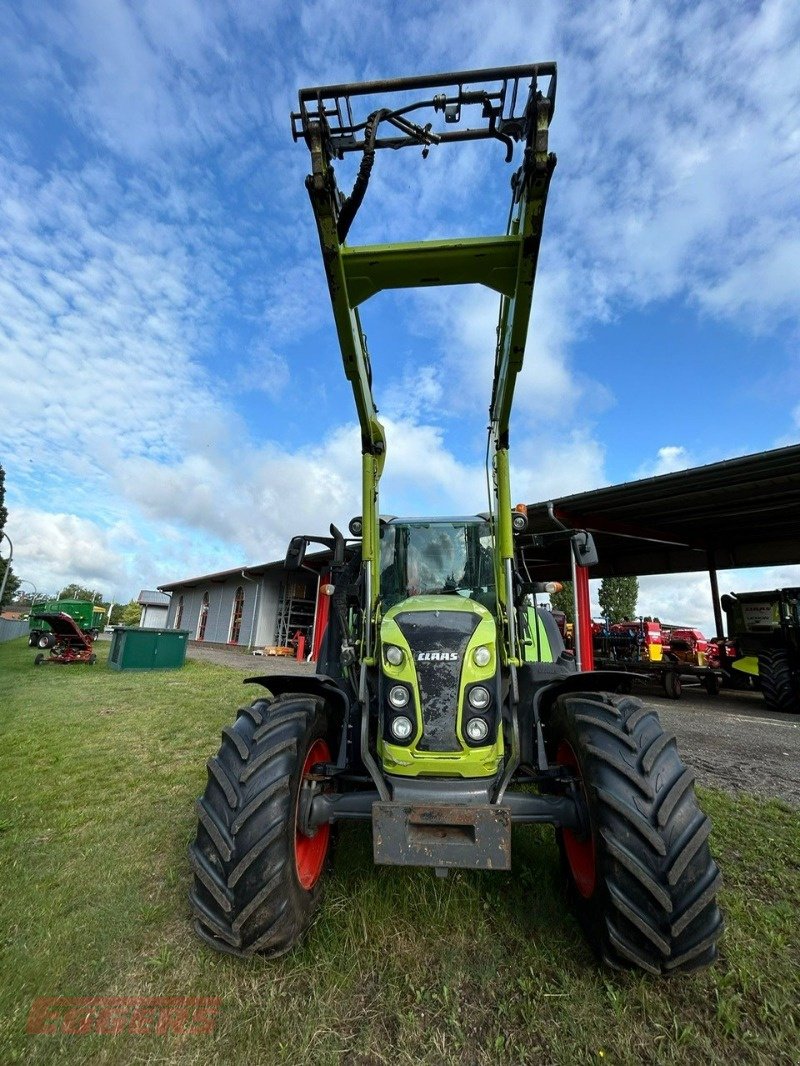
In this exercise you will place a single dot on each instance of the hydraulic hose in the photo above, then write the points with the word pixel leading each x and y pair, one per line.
pixel 356 197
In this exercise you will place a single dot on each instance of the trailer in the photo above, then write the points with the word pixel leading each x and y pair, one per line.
pixel 672 657
pixel 84 613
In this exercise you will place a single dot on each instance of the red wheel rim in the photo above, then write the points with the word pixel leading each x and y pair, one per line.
pixel 310 852
pixel 580 850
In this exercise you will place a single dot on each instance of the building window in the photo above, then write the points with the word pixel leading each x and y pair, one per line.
pixel 201 621
pixel 179 613
pixel 236 616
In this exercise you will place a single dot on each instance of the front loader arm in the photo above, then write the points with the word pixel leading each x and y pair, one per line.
pixel 506 264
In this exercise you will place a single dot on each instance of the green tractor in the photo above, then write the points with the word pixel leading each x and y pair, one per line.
pixel 444 710
pixel 764 632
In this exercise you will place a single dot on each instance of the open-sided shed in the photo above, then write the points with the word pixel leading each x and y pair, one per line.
pixel 738 513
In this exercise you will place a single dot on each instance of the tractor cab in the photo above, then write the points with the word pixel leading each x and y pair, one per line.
pixel 437 557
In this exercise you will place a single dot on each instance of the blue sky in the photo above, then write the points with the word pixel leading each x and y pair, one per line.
pixel 172 400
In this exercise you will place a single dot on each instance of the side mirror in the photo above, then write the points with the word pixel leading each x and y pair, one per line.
pixel 296 553
pixel 726 602
pixel 583 549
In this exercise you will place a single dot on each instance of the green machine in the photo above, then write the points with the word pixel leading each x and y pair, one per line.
pixel 444 709
pixel 89 618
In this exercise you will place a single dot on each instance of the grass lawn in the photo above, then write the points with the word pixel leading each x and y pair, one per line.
pixel 98 775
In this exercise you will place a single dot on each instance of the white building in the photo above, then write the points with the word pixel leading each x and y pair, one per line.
pixel 155 608
pixel 253 606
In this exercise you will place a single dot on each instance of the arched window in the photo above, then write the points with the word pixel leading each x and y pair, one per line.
pixel 236 616
pixel 179 613
pixel 201 621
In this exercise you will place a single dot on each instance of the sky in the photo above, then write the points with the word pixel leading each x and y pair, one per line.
pixel 172 400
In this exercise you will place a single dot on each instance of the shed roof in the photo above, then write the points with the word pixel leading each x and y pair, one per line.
pixel 738 513
pixel 151 598
pixel 313 559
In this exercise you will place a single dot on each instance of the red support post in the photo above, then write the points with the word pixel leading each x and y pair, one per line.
pixel 584 618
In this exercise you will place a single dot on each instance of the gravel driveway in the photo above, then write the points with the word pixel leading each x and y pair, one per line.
pixel 735 742
pixel 732 740
pixel 240 660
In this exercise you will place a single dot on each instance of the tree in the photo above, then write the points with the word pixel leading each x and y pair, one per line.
pixel 618 596
pixel 12 582
pixel 117 612
pixel 78 592
pixel 131 614
pixel 564 601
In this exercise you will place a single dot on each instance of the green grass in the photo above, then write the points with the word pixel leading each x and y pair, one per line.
pixel 98 775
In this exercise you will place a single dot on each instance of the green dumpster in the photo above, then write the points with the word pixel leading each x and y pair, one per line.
pixel 147 649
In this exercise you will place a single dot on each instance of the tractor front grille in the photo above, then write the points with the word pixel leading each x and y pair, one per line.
pixel 438 640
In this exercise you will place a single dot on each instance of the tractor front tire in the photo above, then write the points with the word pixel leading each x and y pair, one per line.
pixel 256 875
pixel 777 683
pixel 641 879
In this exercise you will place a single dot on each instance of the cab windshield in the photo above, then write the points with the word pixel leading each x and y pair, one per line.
pixel 432 558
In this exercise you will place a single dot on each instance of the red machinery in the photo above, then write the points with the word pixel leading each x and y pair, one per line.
pixel 71 646
pixel 686 646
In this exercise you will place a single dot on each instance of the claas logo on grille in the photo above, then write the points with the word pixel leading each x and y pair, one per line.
pixel 437 657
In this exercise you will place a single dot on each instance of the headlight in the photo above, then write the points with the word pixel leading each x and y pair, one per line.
pixel 479 698
pixel 398 696
pixel 394 655
pixel 402 727
pixel 482 656
pixel 477 729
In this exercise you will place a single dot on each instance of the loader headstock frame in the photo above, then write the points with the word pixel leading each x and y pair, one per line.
pixel 505 108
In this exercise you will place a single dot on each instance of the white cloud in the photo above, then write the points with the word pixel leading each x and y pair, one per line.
pixel 668 459
pixel 263 371
pixel 685 599
pixel 61 548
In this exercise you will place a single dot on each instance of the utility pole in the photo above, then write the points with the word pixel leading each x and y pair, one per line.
pixel 8 567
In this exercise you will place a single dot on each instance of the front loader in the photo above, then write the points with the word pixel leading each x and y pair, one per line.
pixel 445 709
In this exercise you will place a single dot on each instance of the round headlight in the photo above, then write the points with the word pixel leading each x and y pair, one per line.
pixel 398 696
pixel 477 729
pixel 482 656
pixel 479 698
pixel 394 655
pixel 519 522
pixel 401 727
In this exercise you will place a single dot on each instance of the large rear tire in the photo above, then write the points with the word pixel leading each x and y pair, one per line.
pixel 642 880
pixel 257 876
pixel 777 684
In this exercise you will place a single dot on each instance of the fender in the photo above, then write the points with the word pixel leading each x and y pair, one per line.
pixel 539 693
pixel 326 688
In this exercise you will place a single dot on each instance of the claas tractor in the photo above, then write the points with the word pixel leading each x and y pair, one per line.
pixel 764 641
pixel 444 710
